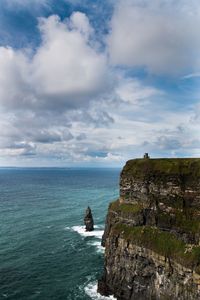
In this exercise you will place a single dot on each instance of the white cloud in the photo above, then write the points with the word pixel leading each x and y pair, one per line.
pixel 192 75
pixel 161 36
pixel 133 91
pixel 65 71
pixel 66 66
pixel 42 93
pixel 80 22
pixel 14 87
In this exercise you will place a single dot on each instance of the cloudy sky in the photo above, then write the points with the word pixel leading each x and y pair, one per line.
pixel 97 82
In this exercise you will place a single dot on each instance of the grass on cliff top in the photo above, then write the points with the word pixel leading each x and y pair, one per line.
pixel 161 242
pixel 125 207
pixel 167 166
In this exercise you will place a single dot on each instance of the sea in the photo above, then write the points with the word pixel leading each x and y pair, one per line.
pixel 45 253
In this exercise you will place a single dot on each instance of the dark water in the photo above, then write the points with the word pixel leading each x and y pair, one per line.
pixel 44 251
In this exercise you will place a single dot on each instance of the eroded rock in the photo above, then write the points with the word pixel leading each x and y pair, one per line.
pixel 88 220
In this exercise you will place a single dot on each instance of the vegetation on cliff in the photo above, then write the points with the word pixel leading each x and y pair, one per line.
pixel 125 207
pixel 186 221
pixel 163 243
pixel 165 166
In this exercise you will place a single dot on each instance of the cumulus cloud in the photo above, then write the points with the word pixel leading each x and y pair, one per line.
pixel 80 22
pixel 66 67
pixel 161 36
pixel 65 71
pixel 43 92
pixel 14 88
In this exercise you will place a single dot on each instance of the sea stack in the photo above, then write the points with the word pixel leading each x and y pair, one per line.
pixel 152 233
pixel 88 220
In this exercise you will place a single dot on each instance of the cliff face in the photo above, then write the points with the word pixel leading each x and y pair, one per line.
pixel 152 232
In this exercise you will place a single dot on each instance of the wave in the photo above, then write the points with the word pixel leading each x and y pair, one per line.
pixel 67 228
pixel 97 233
pixel 91 291
pixel 97 244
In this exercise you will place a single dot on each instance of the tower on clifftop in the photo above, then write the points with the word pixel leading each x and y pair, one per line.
pixel 146 156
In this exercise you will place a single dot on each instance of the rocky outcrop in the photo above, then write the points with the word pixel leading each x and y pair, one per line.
pixel 152 233
pixel 88 220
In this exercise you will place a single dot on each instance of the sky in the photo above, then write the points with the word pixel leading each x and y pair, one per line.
pixel 93 83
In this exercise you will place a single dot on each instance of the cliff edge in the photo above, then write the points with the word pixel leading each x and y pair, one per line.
pixel 152 233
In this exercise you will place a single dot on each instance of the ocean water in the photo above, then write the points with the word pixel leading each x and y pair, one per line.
pixel 44 251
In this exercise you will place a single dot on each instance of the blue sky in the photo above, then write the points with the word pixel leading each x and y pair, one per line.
pixel 94 83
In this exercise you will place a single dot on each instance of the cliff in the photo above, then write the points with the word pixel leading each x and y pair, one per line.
pixel 152 232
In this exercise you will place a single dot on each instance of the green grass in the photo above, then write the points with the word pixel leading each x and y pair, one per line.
pixel 186 221
pixel 165 166
pixel 163 243
pixel 125 207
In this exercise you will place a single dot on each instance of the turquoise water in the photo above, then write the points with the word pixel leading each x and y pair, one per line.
pixel 44 250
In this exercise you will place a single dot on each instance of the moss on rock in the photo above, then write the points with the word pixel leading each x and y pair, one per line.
pixel 126 207
pixel 163 167
pixel 186 222
pixel 163 243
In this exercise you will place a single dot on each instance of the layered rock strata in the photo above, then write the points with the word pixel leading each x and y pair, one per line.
pixel 152 233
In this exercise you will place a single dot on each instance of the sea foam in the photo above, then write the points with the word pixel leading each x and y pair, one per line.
pixel 91 291
pixel 97 244
pixel 97 232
